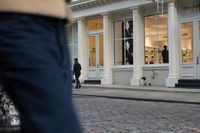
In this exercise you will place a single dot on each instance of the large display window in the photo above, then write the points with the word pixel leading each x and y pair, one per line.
pixel 156 38
pixel 123 42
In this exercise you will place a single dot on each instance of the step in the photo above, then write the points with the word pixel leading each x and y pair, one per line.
pixel 92 81
pixel 189 81
pixel 188 85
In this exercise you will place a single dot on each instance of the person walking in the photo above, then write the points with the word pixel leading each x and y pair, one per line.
pixel 35 66
pixel 77 72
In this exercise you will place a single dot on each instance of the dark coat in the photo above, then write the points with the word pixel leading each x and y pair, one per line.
pixel 165 56
pixel 77 69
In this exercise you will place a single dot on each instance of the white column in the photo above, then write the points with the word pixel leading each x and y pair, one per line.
pixel 107 23
pixel 82 49
pixel 138 48
pixel 173 37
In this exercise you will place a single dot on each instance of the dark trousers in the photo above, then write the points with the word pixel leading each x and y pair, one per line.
pixel 78 84
pixel 36 72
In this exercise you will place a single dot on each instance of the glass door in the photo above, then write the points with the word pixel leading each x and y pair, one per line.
pixel 187 43
pixel 190 43
pixel 96 55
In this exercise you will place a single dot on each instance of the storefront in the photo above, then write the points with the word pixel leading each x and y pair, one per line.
pixel 120 42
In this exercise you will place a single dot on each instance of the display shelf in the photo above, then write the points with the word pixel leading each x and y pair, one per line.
pixel 151 54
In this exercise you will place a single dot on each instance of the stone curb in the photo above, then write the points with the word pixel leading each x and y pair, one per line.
pixel 139 99
pixel 144 88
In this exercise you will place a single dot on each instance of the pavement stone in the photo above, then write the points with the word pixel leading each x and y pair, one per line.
pixel 107 115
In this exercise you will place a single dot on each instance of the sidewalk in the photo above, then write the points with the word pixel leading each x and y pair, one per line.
pixel 143 93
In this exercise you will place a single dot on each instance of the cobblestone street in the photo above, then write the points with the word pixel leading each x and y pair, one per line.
pixel 103 115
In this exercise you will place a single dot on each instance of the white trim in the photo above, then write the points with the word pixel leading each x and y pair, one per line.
pixel 77 3
pixel 110 8
pixel 123 67
pixel 94 32
pixel 157 67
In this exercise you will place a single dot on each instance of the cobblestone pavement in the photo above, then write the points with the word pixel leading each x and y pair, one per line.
pixel 103 115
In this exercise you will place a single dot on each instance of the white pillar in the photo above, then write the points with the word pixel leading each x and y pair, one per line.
pixel 82 48
pixel 138 48
pixel 107 24
pixel 173 37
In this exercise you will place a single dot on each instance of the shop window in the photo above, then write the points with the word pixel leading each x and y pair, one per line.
pixel 187 42
pixel 95 24
pixel 156 38
pixel 72 38
pixel 123 42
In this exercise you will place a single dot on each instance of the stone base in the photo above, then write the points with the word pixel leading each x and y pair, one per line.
pixel 14 129
pixel 106 81
pixel 81 80
pixel 170 82
pixel 135 81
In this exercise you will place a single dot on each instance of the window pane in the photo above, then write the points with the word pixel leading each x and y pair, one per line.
pixel 124 52
pixel 156 51
pixel 187 42
pixel 128 51
pixel 95 24
pixel 119 51
pixel 124 42
pixel 92 51
pixel 150 55
pixel 162 24
pixel 128 28
pixel 150 23
pixel 118 30
pixel 101 59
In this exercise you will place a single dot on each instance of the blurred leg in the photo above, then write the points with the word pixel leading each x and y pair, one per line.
pixel 35 70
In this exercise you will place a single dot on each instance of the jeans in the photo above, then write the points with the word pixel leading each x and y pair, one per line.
pixel 36 72
pixel 78 84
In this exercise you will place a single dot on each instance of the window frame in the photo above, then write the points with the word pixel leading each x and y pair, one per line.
pixel 123 40
pixel 156 35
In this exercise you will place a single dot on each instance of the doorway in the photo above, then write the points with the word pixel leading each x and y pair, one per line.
pixel 96 55
pixel 190 46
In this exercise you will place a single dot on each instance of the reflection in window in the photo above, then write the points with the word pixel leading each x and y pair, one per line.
pixel 124 42
pixel 187 42
pixel 156 37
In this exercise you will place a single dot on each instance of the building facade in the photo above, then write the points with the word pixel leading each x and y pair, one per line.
pixel 124 41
